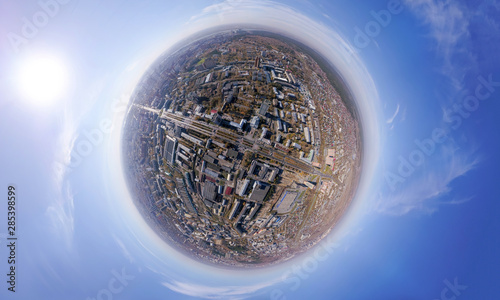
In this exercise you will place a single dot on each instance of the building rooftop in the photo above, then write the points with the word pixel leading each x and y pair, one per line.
pixel 260 191
pixel 209 191
pixel 286 201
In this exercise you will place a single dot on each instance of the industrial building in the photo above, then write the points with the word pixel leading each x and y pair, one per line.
pixel 209 192
pixel 307 134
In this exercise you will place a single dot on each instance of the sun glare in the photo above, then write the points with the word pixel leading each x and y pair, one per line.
pixel 42 79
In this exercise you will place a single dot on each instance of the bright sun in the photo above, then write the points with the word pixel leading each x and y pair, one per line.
pixel 42 79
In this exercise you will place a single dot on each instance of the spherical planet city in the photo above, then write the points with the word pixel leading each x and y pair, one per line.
pixel 242 148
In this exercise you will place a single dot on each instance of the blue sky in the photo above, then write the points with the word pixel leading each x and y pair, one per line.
pixel 427 84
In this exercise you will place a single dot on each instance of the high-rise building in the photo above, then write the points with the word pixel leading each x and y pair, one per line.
pixel 264 107
pixel 170 149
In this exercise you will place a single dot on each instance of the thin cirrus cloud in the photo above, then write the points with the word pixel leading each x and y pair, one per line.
pixel 213 292
pixel 448 22
pixel 424 192
pixel 125 251
pixel 61 214
pixel 60 211
pixel 391 119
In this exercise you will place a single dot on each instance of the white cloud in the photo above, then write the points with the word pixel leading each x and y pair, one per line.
pixel 448 23
pixel 429 187
pixel 60 214
pixel 60 210
pixel 391 119
pixel 216 292
pixel 124 249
